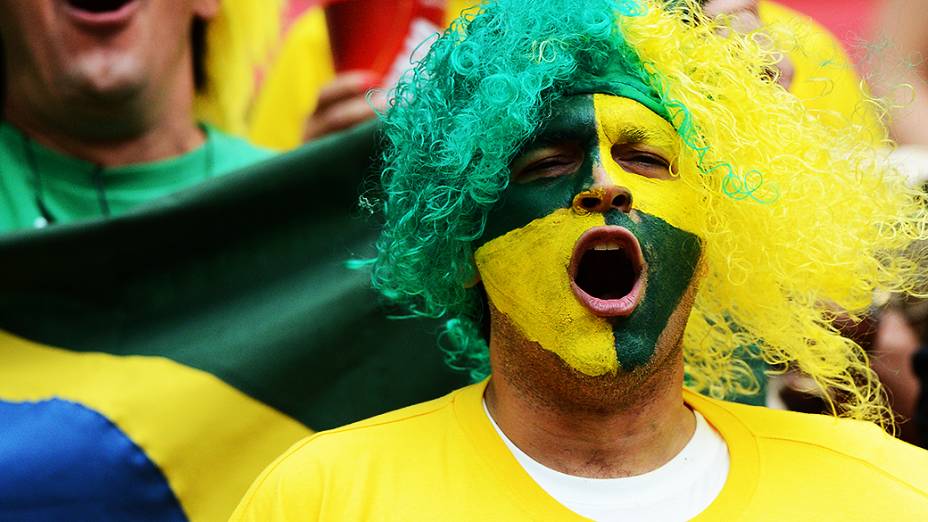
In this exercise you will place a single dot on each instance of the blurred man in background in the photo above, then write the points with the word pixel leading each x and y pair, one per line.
pixel 104 109
pixel 99 106
pixel 901 69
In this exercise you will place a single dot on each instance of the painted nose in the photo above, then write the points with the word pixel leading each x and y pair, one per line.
pixel 603 199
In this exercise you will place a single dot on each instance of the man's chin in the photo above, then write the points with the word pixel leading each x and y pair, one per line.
pixel 106 79
pixel 551 381
pixel 104 109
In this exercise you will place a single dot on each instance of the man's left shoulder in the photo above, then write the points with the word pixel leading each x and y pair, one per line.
pixel 232 152
pixel 842 442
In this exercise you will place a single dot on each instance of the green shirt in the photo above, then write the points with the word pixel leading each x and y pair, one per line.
pixel 70 189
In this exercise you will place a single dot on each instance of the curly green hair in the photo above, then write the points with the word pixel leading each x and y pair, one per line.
pixel 782 250
pixel 454 123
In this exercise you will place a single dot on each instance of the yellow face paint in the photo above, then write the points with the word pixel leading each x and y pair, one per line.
pixel 525 276
pixel 621 121
pixel 590 147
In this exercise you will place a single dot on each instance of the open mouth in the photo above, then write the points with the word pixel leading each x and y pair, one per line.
pixel 101 13
pixel 607 271
pixel 98 6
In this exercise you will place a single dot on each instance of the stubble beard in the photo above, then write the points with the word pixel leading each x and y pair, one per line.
pixel 543 379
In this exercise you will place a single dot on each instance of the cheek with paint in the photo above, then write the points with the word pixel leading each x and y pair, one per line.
pixel 525 276
pixel 570 293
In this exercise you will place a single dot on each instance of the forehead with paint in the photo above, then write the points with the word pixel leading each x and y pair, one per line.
pixel 589 252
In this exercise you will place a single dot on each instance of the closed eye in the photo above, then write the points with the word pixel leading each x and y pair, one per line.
pixel 551 161
pixel 642 160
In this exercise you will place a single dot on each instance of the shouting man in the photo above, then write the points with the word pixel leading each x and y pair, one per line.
pixel 611 199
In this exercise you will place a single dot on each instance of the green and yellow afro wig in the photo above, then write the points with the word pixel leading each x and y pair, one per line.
pixel 799 222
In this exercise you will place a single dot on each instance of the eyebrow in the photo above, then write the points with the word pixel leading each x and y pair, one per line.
pixel 560 129
pixel 635 135
pixel 555 136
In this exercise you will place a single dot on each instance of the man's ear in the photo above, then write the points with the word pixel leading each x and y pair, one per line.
pixel 474 280
pixel 206 9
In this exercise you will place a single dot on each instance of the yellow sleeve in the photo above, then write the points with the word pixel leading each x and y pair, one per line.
pixel 291 88
pixel 825 79
pixel 290 489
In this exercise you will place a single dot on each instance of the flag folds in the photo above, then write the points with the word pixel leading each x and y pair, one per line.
pixel 151 365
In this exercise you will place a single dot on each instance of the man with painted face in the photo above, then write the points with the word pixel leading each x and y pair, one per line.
pixel 610 199
pixel 99 106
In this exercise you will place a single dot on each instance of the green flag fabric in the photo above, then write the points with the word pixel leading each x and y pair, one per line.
pixel 151 365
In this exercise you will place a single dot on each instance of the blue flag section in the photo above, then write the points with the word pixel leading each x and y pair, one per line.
pixel 64 461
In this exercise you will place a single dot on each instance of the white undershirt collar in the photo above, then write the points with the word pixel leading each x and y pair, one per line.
pixel 678 490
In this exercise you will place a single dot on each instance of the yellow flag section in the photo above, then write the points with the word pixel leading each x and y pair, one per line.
pixel 208 439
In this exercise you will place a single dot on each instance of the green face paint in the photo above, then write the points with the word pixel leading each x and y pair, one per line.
pixel 526 252
pixel 572 122
pixel 672 256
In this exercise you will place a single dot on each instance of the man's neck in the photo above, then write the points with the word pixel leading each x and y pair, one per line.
pixel 155 124
pixel 630 437
pixel 164 139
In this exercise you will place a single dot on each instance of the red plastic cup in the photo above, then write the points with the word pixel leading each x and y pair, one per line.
pixel 380 35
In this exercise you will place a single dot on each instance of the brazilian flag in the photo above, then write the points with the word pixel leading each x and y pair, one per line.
pixel 153 364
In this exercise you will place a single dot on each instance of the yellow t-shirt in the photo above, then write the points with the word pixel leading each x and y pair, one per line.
pixel 442 460
pixel 824 78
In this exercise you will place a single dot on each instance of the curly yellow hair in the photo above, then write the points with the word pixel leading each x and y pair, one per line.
pixel 800 221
